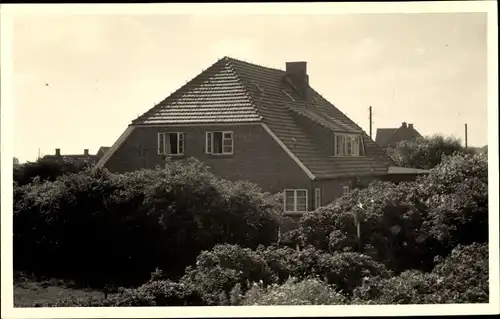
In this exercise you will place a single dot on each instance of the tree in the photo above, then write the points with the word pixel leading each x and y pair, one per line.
pixel 426 152
pixel 46 169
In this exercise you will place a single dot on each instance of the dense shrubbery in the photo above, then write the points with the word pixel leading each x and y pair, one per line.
pixel 217 271
pixel 426 152
pixel 292 292
pixel 210 240
pixel 46 169
pixel 99 227
pixel 460 278
pixel 406 225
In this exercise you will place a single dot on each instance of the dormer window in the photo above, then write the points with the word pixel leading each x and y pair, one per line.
pixel 347 145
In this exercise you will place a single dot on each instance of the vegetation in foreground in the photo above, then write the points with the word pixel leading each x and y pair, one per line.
pixel 421 242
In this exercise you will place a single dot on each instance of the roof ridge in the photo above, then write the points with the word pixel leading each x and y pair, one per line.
pixel 176 92
pixel 255 64
pixel 244 85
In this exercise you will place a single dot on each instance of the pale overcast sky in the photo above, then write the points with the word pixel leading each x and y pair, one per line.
pixel 80 80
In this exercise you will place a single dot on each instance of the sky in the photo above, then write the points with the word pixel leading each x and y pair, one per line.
pixel 79 80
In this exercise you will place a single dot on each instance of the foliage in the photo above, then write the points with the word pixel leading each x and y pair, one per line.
pixel 457 200
pixel 426 152
pixel 409 223
pixel 219 270
pixel 344 270
pixel 461 278
pixel 153 293
pixel 99 227
pixel 46 169
pixel 293 292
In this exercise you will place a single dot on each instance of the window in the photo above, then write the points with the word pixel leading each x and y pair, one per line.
pixel 171 143
pixel 317 198
pixel 347 145
pixel 219 143
pixel 347 190
pixel 296 200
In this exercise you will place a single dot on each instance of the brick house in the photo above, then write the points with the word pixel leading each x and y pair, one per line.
pixel 85 158
pixel 390 137
pixel 102 150
pixel 265 125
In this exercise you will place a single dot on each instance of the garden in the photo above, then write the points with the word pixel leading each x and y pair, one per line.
pixel 180 236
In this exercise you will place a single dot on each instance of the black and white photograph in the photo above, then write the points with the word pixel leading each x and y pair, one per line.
pixel 318 156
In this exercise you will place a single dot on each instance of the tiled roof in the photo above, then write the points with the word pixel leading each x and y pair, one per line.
pixel 389 137
pixel 214 96
pixel 236 91
pixel 102 150
pixel 383 134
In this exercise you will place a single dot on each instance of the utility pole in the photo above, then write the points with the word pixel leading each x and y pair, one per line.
pixel 466 135
pixel 371 122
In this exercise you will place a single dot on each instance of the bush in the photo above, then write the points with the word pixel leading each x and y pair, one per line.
pixel 293 292
pixel 345 270
pixel 219 270
pixel 457 200
pixel 426 152
pixel 410 223
pixel 46 169
pixel 390 218
pixel 153 293
pixel 99 227
pixel 461 278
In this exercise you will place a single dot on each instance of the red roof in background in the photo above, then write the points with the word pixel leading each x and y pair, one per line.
pixel 234 91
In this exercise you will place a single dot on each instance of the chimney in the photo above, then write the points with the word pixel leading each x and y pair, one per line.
pixel 410 126
pixel 404 124
pixel 297 73
pixel 58 152
pixel 86 152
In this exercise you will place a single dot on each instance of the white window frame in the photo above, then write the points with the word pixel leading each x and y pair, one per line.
pixel 295 201
pixel 354 139
pixel 346 190
pixel 162 143
pixel 317 198
pixel 209 142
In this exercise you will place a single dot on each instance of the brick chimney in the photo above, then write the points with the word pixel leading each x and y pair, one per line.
pixel 58 152
pixel 86 152
pixel 410 126
pixel 404 125
pixel 297 73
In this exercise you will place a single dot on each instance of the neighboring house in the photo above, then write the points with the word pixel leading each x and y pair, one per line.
pixel 79 158
pixel 390 137
pixel 480 150
pixel 102 150
pixel 249 122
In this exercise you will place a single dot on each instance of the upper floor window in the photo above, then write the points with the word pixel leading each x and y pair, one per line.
pixel 171 143
pixel 218 143
pixel 347 145
pixel 296 200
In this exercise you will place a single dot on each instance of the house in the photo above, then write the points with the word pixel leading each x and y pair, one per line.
pixel 85 158
pixel 265 125
pixel 102 150
pixel 390 137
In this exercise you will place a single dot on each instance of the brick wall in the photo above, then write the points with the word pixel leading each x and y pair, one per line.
pixel 257 156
